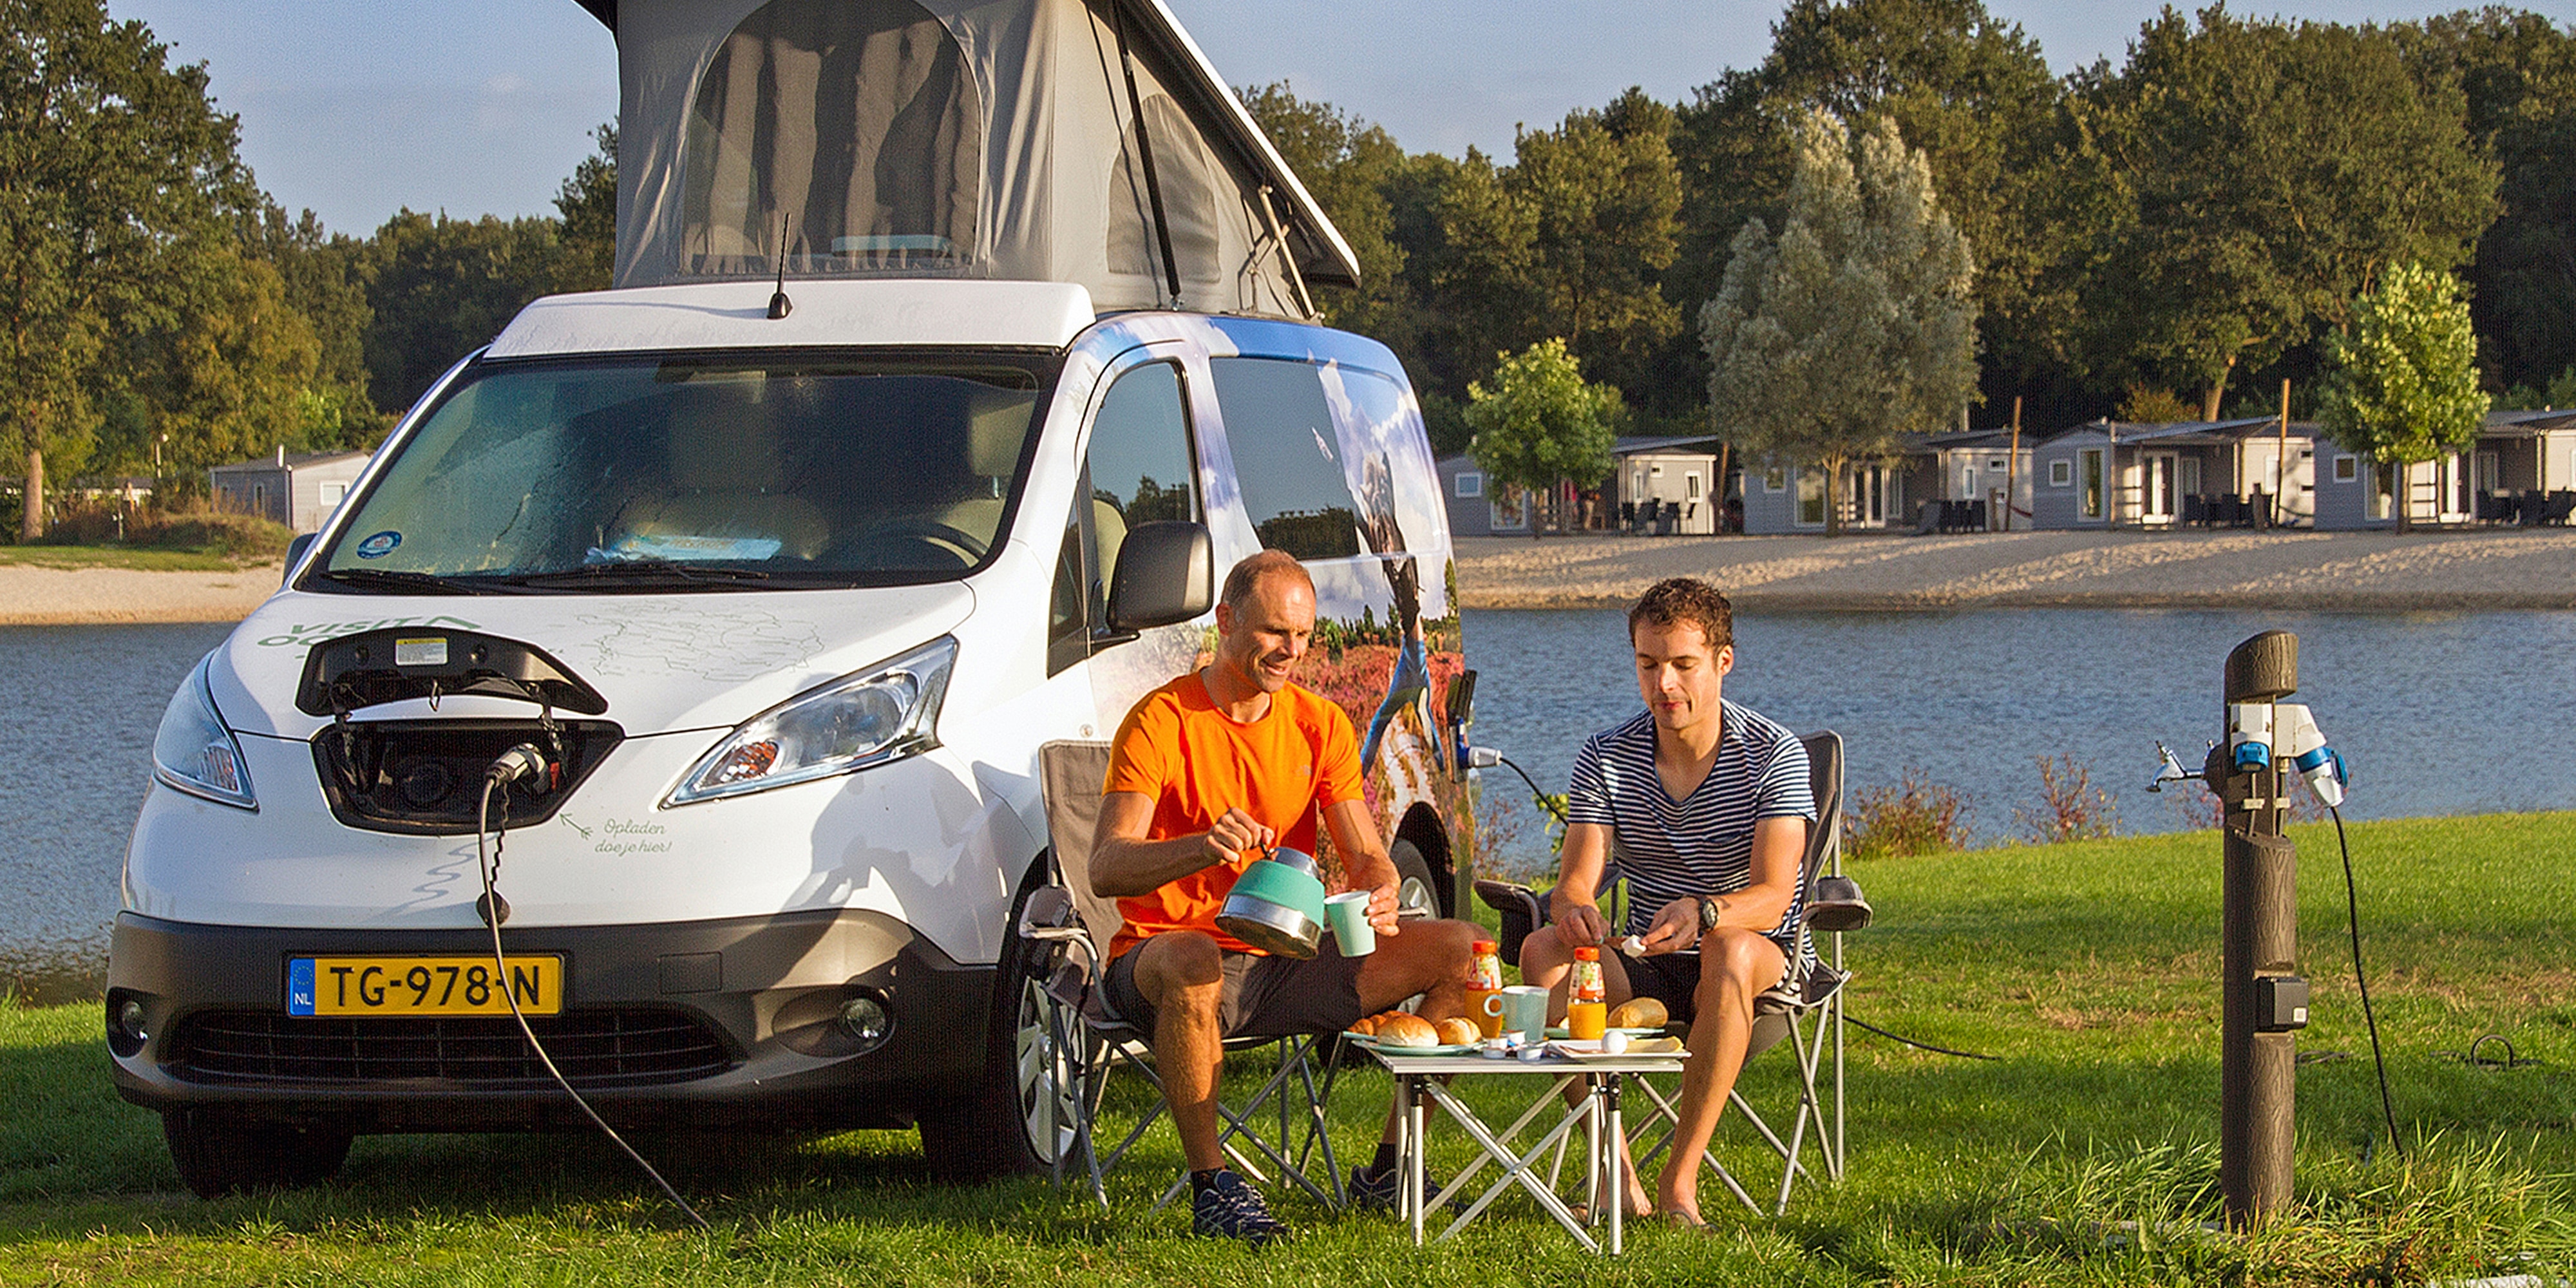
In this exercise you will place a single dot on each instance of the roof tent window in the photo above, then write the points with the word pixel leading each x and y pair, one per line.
pixel 1188 177
pixel 854 123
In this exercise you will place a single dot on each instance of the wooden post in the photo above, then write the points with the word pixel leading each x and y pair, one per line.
pixel 2012 465
pixel 2257 1070
pixel 2281 483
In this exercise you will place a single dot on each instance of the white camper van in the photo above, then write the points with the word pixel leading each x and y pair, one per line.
pixel 922 420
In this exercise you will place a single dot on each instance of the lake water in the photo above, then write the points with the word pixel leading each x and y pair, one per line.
pixel 2437 713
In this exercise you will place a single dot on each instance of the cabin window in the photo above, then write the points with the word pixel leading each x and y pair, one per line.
pixel 1470 485
pixel 2347 469
pixel 2061 473
pixel 1775 478
pixel 845 136
pixel 2090 461
pixel 2383 491
pixel 330 494
pixel 1811 497
pixel 1506 512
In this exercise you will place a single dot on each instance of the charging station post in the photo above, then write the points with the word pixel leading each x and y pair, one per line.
pixel 2264 1002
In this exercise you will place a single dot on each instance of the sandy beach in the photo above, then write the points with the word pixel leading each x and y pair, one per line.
pixel 32 596
pixel 2352 571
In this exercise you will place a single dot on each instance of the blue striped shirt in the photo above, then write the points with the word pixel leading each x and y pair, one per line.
pixel 1702 844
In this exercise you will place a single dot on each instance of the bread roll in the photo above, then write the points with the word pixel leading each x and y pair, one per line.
pixel 1640 1013
pixel 1401 1030
pixel 1458 1031
pixel 1366 1027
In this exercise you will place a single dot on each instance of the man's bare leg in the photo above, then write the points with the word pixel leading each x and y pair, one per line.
pixel 1182 974
pixel 1736 965
pixel 1546 963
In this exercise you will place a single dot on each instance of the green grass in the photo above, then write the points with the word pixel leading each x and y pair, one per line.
pixel 135 557
pixel 2084 1155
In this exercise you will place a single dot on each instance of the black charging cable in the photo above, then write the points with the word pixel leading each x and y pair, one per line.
pixel 2352 919
pixel 515 763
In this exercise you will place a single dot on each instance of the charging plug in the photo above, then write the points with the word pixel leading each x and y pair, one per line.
pixel 2303 745
pixel 522 761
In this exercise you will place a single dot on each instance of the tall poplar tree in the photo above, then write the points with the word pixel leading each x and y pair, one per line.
pixel 1856 323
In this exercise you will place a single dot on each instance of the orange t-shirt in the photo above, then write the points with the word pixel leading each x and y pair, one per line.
pixel 1196 762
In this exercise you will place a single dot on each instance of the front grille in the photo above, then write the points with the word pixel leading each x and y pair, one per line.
pixel 620 1047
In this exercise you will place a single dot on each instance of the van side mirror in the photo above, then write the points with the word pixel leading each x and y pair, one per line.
pixel 295 552
pixel 1166 573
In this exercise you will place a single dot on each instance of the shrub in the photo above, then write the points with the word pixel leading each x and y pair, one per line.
pixel 1914 817
pixel 235 536
pixel 2071 808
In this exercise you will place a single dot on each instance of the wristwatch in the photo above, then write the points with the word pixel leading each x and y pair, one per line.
pixel 1710 906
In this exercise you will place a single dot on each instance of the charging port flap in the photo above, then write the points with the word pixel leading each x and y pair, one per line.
pixel 397 663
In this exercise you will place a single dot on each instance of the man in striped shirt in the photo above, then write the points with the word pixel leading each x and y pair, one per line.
pixel 1708 806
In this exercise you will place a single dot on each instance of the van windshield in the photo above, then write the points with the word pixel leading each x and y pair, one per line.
pixel 663 474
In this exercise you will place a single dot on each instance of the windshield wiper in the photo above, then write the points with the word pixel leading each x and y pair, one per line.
pixel 635 572
pixel 391 579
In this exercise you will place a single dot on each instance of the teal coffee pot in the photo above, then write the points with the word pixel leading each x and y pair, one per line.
pixel 1277 905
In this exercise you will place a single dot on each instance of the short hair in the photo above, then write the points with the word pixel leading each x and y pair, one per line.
pixel 1686 599
pixel 1246 576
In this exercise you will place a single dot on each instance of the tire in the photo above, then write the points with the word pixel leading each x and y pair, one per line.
pixel 1001 1127
pixel 218 1155
pixel 1416 887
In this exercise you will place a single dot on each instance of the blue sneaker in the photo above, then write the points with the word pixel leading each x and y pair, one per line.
pixel 1230 1209
pixel 1375 1191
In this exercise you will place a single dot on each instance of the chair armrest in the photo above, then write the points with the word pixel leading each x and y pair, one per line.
pixel 1838 905
pixel 1521 913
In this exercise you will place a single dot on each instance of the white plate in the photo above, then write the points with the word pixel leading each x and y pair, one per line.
pixel 1591 1050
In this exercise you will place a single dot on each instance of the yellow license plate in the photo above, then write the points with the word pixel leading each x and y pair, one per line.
pixel 407 986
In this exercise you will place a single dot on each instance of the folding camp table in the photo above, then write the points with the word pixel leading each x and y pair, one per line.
pixel 1425 1080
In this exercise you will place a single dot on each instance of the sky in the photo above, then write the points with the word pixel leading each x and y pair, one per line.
pixel 356 110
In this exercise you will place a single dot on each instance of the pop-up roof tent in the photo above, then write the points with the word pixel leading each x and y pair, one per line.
pixel 931 138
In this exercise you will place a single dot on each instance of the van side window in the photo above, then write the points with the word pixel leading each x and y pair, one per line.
pixel 1139 470
pixel 1287 456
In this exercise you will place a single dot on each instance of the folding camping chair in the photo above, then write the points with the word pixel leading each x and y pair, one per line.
pixel 1829 903
pixel 1086 1040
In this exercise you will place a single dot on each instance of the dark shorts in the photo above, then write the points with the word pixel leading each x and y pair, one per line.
pixel 1672 979
pixel 1264 996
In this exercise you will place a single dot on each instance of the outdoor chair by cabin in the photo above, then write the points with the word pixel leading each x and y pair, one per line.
pixel 1805 1009
pixel 2496 507
pixel 2560 507
pixel 1084 1040
pixel 2195 510
pixel 1647 514
pixel 1628 517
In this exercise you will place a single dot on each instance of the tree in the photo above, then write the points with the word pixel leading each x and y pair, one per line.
pixel 442 288
pixel 2402 383
pixel 1345 163
pixel 323 277
pixel 588 203
pixel 1540 424
pixel 2517 71
pixel 2264 174
pixel 117 173
pixel 1974 92
pixel 1856 323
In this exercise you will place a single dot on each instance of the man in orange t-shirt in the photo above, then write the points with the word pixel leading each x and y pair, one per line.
pixel 1204 772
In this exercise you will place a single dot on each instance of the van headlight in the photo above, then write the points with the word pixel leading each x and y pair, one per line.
pixel 871 717
pixel 195 753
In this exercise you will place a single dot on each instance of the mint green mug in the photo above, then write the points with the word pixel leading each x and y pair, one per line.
pixel 1522 1009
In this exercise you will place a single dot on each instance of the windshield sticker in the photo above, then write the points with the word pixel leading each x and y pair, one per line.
pixel 680 549
pixel 379 545
pixel 308 636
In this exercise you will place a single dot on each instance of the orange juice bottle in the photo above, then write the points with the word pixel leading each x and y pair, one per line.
pixel 1587 1012
pixel 1484 979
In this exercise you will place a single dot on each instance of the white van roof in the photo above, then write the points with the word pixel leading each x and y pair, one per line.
pixel 735 315
pixel 980 139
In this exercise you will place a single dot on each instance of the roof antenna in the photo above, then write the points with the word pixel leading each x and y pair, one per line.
pixel 779 305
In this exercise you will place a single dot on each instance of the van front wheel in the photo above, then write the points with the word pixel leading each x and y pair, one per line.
pixel 219 1154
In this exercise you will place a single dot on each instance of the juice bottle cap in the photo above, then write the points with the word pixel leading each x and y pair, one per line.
pixel 1486 946
pixel 1587 954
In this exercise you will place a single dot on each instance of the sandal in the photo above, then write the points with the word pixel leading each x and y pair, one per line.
pixel 1680 1220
